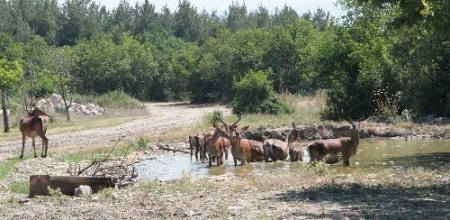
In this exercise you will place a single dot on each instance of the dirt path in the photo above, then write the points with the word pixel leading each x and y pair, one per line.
pixel 162 117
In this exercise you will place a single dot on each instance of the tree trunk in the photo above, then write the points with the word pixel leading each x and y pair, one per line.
pixel 66 105
pixel 5 112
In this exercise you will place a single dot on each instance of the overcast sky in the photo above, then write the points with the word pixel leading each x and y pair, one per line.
pixel 301 6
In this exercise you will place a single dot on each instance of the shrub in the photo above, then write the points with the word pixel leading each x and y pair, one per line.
pixel 254 94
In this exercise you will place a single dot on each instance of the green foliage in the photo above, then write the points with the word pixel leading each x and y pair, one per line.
pixel 254 94
pixel 10 62
pixel 396 45
pixel 9 73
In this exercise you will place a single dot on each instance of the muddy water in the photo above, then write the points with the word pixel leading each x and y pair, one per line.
pixel 372 154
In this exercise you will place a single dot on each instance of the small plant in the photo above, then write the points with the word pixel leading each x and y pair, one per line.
pixel 142 143
pixel 55 192
pixel 318 167
pixel 106 193
pixel 407 115
pixel 216 117
pixel 386 104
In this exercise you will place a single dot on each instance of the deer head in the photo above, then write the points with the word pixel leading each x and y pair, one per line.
pixel 37 112
pixel 231 131
pixel 293 136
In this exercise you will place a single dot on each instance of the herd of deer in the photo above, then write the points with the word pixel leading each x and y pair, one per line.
pixel 212 145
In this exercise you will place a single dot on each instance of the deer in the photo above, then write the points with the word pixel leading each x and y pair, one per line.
pixel 294 147
pixel 275 149
pixel 32 125
pixel 224 143
pixel 217 144
pixel 345 146
pixel 197 142
pixel 257 151
pixel 242 149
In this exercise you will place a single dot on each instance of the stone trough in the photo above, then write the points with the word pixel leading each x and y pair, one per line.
pixel 40 184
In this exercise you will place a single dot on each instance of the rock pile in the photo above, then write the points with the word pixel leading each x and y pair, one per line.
pixel 55 102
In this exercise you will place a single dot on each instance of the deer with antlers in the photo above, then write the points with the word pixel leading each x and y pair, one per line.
pixel 344 146
pixel 35 124
pixel 242 149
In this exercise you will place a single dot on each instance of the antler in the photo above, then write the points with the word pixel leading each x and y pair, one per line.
pixel 234 125
pixel 351 122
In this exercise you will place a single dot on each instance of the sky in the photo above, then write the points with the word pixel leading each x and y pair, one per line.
pixel 301 6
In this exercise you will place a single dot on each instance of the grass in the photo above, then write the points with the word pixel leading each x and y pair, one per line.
pixel 20 187
pixel 7 166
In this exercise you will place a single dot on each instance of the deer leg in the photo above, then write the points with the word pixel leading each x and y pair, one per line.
pixel 346 159
pixel 44 146
pixel 235 162
pixel 190 145
pixel 34 147
pixel 210 160
pixel 23 146
pixel 196 152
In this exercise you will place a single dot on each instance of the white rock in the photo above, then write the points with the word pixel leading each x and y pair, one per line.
pixel 56 99
pixel 83 190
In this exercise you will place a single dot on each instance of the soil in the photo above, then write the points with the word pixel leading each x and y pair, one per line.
pixel 317 193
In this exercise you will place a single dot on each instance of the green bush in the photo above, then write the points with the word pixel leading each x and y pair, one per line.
pixel 254 94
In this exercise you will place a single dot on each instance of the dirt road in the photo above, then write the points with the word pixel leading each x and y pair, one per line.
pixel 162 117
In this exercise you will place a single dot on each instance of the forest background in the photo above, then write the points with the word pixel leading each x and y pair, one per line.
pixel 383 56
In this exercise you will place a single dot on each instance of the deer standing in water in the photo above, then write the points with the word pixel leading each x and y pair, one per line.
pixel 294 147
pixel 275 149
pixel 346 146
pixel 35 124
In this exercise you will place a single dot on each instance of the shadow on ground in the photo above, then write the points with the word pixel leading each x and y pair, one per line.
pixel 372 202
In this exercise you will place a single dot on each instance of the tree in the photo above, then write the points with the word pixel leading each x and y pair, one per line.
pixel 186 22
pixel 10 70
pixel 285 16
pixel 62 68
pixel 146 19
pixel 261 17
pixel 237 17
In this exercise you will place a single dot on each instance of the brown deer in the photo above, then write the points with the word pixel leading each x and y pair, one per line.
pixel 257 151
pixel 295 149
pixel 345 146
pixel 35 124
pixel 217 144
pixel 197 142
pixel 242 149
pixel 275 149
